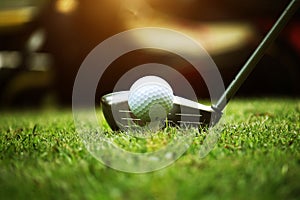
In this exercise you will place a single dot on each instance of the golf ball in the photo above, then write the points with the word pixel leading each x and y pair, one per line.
pixel 147 93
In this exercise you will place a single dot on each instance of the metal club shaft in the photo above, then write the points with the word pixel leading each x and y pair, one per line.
pixel 257 54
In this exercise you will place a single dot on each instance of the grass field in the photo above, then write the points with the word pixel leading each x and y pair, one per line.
pixel 256 157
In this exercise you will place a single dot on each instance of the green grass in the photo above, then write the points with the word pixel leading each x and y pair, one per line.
pixel 257 157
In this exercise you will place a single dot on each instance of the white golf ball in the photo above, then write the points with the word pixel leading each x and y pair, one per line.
pixel 149 93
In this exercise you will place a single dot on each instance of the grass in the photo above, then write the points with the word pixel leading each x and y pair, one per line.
pixel 257 157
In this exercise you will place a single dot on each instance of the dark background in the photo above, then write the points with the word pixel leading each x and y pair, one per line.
pixel 68 36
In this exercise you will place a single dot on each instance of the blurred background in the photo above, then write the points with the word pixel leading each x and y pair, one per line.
pixel 43 43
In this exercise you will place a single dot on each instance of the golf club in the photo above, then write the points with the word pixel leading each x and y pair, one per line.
pixel 188 113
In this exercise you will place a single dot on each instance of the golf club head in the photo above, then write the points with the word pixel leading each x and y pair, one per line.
pixel 185 113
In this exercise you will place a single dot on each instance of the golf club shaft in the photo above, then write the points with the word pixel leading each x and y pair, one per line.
pixel 257 54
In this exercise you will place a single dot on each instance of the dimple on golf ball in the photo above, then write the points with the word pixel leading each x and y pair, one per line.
pixel 150 92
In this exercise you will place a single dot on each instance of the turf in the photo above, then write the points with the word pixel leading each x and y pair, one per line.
pixel 257 157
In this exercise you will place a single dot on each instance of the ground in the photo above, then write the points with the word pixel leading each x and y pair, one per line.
pixel 257 157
